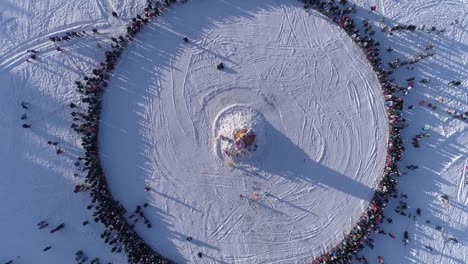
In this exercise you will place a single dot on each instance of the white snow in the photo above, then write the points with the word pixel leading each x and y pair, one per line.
pixel 317 95
pixel 321 103
pixel 35 183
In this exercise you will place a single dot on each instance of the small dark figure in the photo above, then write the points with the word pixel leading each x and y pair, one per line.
pixel 95 30
pixel 79 255
pixel 444 198
pixel 62 225
pixel 410 107
pixel 25 105
pixel 381 259
pixel 452 239
pixel 114 14
pixel 24 117
pixel 9 262
pixel 418 212
pixel 26 126
pixel 189 238
pixel 405 238
pixel 59 151
pixel 456 83
pixel 429 247
pixel 47 248
pixel 145 205
pixel 411 27
pixel 220 66
pixel 200 254
pixel 186 40
pixel 59 49
pixel 72 105
pixel 85 222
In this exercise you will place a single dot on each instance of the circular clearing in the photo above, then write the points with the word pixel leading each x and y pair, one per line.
pixel 323 121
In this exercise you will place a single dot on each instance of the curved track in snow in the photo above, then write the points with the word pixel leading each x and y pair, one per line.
pixel 325 116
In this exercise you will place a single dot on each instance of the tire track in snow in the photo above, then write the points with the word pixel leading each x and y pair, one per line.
pixel 292 29
pixel 101 8
pixel 174 98
pixel 296 99
pixel 462 194
pixel 17 54
pixel 430 5
pixel 224 222
pixel 184 89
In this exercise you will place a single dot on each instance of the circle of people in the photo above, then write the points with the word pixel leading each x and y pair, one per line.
pixel 119 232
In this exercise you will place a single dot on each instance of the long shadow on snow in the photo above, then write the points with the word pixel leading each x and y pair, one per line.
pixel 296 165
pixel 445 66
pixel 128 101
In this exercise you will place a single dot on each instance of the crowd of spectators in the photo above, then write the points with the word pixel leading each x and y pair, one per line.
pixel 347 251
pixel 119 234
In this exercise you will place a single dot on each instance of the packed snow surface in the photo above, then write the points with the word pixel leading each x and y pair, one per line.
pixel 279 60
pixel 324 120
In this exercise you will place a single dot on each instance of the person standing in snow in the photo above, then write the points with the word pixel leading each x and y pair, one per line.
pixel 456 83
pixel 24 105
pixel 405 238
pixel 381 259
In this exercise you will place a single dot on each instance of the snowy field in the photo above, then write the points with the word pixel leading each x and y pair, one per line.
pixel 318 96
pixel 322 110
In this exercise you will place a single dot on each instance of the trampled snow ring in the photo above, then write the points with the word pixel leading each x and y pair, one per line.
pixel 239 134
pixel 190 126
